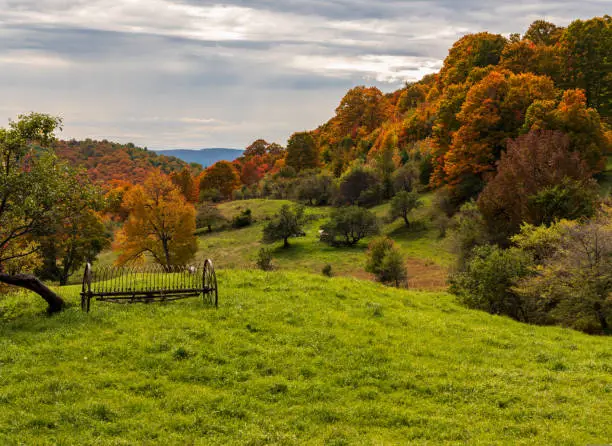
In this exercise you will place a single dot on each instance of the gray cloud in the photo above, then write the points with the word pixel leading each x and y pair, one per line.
pixel 165 73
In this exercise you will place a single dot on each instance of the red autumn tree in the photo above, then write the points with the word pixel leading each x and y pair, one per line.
pixel 523 190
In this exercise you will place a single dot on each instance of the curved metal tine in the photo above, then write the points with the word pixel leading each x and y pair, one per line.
pixel 134 278
pixel 126 278
pixel 144 281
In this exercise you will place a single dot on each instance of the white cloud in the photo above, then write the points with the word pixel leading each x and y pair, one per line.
pixel 34 59
pixel 213 73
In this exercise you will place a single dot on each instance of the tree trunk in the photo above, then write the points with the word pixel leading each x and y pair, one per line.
pixel 32 283
pixel 406 221
pixel 285 242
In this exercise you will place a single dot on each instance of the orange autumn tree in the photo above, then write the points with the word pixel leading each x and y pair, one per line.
pixel 161 224
pixel 494 110
pixel 185 182
pixel 221 176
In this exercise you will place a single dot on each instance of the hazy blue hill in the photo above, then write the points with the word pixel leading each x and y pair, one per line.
pixel 205 157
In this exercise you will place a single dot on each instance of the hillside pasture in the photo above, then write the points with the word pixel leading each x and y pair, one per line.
pixel 292 358
pixel 427 258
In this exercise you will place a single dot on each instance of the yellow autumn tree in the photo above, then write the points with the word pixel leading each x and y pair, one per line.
pixel 161 224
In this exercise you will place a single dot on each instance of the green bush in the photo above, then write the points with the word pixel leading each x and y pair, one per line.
pixel 386 262
pixel 264 259
pixel 327 270
pixel 287 223
pixel 349 225
pixel 242 220
pixel 213 195
pixel 488 279
pixel 403 204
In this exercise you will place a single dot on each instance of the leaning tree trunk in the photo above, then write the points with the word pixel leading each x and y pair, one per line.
pixel 32 283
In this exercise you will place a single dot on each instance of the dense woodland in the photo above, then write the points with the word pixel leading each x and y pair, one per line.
pixel 512 136
pixel 105 161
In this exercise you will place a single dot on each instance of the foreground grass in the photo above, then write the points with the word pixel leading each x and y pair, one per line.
pixel 290 358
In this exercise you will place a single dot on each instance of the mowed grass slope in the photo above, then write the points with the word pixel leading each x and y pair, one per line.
pixel 291 358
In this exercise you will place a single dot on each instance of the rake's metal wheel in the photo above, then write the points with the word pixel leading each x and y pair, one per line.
pixel 210 292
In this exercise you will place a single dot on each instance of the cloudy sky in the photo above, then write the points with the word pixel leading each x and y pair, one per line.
pixel 191 74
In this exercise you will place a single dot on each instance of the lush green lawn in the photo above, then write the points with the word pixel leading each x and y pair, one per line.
pixel 290 358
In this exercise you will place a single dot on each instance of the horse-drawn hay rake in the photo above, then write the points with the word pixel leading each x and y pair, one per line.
pixel 149 283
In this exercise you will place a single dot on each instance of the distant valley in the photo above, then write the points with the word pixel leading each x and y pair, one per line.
pixel 205 157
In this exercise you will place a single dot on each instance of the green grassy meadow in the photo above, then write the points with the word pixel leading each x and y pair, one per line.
pixel 292 358
pixel 427 258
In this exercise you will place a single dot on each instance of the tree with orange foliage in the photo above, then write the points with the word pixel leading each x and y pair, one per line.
pixel 493 111
pixel 361 110
pixel 573 117
pixel 471 51
pixel 221 176
pixel 186 184
pixel 161 224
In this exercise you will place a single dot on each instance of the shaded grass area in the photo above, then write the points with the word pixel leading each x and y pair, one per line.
pixel 291 358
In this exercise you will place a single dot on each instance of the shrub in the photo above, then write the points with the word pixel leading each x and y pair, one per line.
pixel 264 259
pixel 349 225
pixel 287 223
pixel 403 204
pixel 360 186
pixel 393 268
pixel 211 195
pixel 315 189
pixel 242 220
pixel 327 270
pixel 386 262
pixel 406 178
pixel 208 216
pixel 237 195
pixel 487 281
pixel 467 231
pixel 572 282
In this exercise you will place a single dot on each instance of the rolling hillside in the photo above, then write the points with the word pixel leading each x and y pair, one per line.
pixel 106 161
pixel 290 358
pixel 204 157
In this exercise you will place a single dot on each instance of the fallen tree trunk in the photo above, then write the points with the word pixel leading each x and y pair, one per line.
pixel 32 283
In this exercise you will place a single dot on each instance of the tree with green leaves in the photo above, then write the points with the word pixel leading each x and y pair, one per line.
pixel 348 225
pixel 302 152
pixel 386 262
pixel 287 223
pixel 208 215
pixel 403 204
pixel 35 188
pixel 586 47
pixel 78 239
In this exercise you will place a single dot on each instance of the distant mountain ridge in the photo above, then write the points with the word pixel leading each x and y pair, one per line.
pixel 206 157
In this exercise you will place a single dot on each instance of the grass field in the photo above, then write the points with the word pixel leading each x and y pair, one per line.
pixel 291 358
pixel 427 258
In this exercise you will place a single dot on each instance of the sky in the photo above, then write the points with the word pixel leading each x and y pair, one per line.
pixel 192 74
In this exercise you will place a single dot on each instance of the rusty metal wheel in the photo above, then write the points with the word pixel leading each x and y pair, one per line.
pixel 209 292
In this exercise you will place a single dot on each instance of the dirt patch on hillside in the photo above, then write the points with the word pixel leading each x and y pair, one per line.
pixel 422 275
